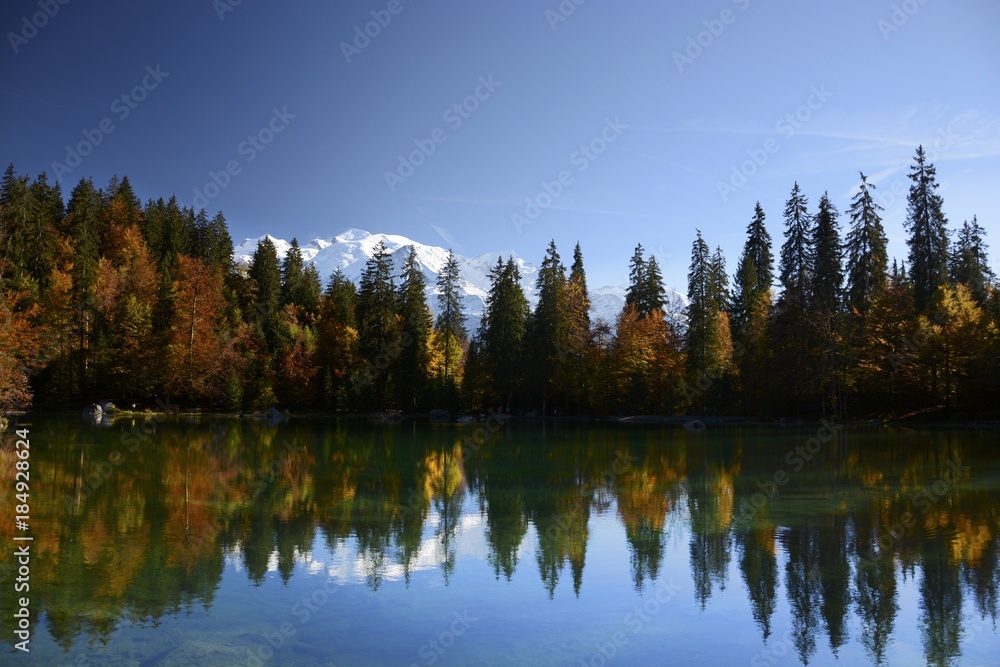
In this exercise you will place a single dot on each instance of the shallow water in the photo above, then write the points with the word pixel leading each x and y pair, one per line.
pixel 338 542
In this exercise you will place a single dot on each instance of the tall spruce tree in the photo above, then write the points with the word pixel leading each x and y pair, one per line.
pixel 265 272
pixel 343 296
pixel 548 336
pixel 645 291
pixel 701 309
pixel 970 261
pixel 636 278
pixel 450 321
pixel 797 252
pixel 754 273
pixel 378 328
pixel 867 258
pixel 928 229
pixel 416 323
pixel 828 268
pixel 502 331
pixel 579 295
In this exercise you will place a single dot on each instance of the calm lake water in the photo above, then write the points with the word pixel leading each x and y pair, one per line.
pixel 338 542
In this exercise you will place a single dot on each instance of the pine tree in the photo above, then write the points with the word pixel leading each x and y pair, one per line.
pixel 636 279
pixel 970 261
pixel 450 323
pixel 708 342
pixel 701 309
pixel 343 297
pixel 265 273
pixel 578 356
pixel 84 227
pixel 867 259
pixel 645 292
pixel 754 273
pixel 654 295
pixel 502 332
pixel 414 358
pixel 378 325
pixel 927 225
pixel 213 243
pixel 828 259
pixel 797 252
pixel 548 336
pixel 292 274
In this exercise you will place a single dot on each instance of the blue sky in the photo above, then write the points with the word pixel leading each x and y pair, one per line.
pixel 769 91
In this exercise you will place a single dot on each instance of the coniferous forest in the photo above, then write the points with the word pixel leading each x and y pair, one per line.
pixel 104 297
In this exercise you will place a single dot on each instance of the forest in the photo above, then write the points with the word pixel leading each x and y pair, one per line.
pixel 103 297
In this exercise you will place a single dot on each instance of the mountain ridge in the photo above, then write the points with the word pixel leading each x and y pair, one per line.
pixel 350 249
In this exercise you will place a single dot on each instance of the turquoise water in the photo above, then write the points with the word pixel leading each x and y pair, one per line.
pixel 338 542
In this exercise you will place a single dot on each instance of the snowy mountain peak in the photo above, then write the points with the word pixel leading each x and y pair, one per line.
pixel 351 249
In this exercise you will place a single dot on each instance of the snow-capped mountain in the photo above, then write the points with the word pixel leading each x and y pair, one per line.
pixel 350 250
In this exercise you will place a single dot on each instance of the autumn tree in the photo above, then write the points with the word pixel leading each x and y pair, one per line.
pixel 198 355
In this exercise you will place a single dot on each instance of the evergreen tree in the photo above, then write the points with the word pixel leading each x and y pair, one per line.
pixel 578 356
pixel 828 262
pixel 548 337
pixel 412 369
pixel 797 252
pixel 265 272
pixel 579 295
pixel 450 322
pixel 378 325
pixel 636 279
pixel 645 292
pixel 701 309
pixel 867 259
pixel 754 273
pixel 343 297
pixel 292 274
pixel 928 241
pixel 311 290
pixel 85 228
pixel 708 341
pixel 970 261
pixel 502 332
pixel 654 296
pixel 214 244
pixel 752 310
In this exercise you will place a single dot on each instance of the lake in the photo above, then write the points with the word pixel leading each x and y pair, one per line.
pixel 340 542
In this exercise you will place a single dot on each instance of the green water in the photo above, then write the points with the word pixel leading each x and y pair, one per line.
pixel 220 542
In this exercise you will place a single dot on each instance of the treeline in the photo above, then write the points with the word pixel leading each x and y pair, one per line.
pixel 104 297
